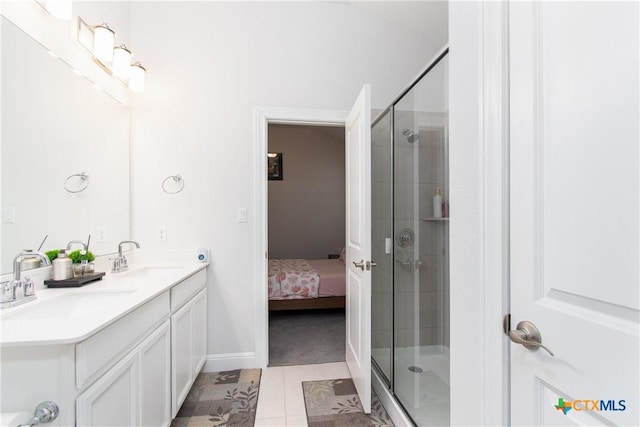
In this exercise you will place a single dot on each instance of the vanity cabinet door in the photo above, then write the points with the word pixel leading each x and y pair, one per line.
pixel 188 347
pixel 199 318
pixel 155 378
pixel 181 355
pixel 113 399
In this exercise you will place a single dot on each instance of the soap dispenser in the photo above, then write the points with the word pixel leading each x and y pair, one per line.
pixel 62 266
pixel 437 204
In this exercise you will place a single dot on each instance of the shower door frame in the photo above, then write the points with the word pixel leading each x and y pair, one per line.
pixel 396 408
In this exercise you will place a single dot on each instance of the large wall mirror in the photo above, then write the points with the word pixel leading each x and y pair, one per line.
pixel 56 124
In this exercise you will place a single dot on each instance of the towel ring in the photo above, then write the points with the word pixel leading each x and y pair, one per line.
pixel 84 182
pixel 177 179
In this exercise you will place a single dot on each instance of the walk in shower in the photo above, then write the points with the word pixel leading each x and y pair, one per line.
pixel 410 243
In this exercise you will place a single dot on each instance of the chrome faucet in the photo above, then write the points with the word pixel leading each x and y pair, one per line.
pixel 9 296
pixel 79 242
pixel 120 263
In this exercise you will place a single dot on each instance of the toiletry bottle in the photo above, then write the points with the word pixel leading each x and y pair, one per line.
pixel 62 267
pixel 445 209
pixel 437 204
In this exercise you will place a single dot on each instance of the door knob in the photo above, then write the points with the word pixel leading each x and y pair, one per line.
pixel 359 265
pixel 528 335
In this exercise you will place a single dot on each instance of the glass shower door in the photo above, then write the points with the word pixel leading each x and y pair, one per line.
pixel 421 249
pixel 381 249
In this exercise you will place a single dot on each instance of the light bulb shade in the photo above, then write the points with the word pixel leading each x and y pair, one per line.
pixel 59 8
pixel 136 77
pixel 121 62
pixel 103 38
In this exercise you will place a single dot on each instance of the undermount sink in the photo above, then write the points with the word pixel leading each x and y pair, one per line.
pixel 73 305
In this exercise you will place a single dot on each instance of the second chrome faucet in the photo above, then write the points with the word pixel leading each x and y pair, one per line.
pixel 120 263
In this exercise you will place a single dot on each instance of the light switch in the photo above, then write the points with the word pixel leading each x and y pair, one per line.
pixel 242 214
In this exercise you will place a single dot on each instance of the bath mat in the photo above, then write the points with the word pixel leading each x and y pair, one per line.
pixel 336 403
pixel 228 398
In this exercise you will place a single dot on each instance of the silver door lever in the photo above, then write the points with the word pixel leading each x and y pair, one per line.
pixel 359 265
pixel 528 335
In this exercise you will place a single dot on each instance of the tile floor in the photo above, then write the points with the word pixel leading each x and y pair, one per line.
pixel 281 402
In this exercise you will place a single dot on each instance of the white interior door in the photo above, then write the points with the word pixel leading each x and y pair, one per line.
pixel 575 211
pixel 358 244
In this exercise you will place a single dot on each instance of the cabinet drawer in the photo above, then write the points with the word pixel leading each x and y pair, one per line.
pixel 100 351
pixel 186 289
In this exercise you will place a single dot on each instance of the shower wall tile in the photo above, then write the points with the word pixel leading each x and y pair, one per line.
pixel 432 135
pixel 381 164
pixel 382 307
pixel 406 337
pixel 405 201
pixel 428 336
pixel 432 237
pixel 403 278
pixel 404 164
pixel 381 338
pixel 433 279
pixel 405 310
pixel 381 201
pixel 430 309
pixel 432 167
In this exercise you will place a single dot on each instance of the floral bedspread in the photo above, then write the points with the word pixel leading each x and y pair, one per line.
pixel 292 279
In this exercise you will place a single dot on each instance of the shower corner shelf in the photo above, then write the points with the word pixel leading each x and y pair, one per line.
pixel 435 219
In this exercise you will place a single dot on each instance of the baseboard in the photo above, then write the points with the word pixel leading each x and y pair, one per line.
pixel 392 407
pixel 230 361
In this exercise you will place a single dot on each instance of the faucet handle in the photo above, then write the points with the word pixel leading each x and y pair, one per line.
pixel 6 294
pixel 28 287
pixel 14 285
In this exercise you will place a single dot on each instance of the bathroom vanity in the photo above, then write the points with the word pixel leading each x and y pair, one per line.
pixel 124 351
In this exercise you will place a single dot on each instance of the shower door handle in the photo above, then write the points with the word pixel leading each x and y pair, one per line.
pixel 359 265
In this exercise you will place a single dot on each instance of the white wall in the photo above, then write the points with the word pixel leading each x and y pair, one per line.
pixel 210 64
pixel 307 207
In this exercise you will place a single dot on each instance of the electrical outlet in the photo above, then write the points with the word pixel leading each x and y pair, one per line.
pixel 162 233
pixel 101 233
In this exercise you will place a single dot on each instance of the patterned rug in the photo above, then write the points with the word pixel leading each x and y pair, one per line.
pixel 335 403
pixel 228 398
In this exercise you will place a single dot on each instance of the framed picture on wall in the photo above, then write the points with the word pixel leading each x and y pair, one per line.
pixel 274 166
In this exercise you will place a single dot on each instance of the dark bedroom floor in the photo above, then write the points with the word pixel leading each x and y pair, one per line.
pixel 306 337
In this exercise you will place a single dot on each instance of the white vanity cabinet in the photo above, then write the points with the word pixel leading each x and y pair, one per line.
pixel 134 369
pixel 188 338
pixel 134 392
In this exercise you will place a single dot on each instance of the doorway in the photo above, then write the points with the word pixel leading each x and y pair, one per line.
pixel 306 211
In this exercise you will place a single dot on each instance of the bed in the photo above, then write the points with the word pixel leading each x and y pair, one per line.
pixel 298 284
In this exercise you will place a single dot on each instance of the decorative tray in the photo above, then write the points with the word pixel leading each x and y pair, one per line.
pixel 74 282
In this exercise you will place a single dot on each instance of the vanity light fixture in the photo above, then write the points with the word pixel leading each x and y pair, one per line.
pixel 103 38
pixel 116 61
pixel 136 77
pixel 121 61
pixel 272 155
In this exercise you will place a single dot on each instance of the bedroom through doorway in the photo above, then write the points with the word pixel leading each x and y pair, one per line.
pixel 305 235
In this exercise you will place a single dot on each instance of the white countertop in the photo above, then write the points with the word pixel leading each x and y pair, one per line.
pixel 70 315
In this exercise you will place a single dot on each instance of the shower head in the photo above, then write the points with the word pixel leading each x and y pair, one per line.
pixel 411 137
